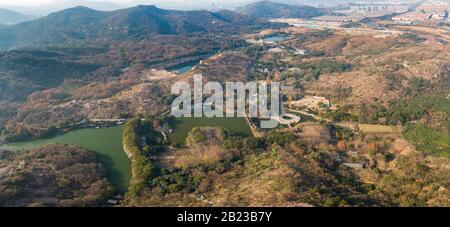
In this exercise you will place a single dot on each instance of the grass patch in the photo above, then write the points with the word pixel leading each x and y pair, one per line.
pixel 428 141
pixel 377 129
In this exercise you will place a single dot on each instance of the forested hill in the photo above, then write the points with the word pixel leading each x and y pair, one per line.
pixel 13 17
pixel 268 9
pixel 81 23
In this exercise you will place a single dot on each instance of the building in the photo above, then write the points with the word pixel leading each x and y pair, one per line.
pixel 143 141
pixel 354 165
pixel 370 8
pixel 112 202
pixel 409 18
pixel 167 129
pixel 441 16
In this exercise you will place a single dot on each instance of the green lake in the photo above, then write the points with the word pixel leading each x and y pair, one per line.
pixel 275 38
pixel 106 142
pixel 185 67
pixel 185 125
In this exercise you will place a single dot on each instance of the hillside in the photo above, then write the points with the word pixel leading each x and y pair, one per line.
pixel 216 168
pixel 54 175
pixel 13 17
pixel 137 23
pixel 134 92
pixel 219 169
pixel 268 9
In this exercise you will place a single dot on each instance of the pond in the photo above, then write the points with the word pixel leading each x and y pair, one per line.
pixel 183 68
pixel 274 38
pixel 106 142
pixel 185 125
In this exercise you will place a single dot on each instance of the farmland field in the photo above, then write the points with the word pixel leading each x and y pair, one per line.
pixel 377 129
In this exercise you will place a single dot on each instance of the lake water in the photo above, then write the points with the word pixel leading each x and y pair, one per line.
pixel 184 68
pixel 107 143
pixel 275 38
pixel 185 125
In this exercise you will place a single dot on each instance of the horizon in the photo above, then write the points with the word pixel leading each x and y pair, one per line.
pixel 45 7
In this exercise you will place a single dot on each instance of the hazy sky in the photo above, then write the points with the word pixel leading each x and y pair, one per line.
pixel 119 2
pixel 34 3
pixel 52 5
pixel 43 2
pixel 43 7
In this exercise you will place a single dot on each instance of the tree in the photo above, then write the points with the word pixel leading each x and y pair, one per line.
pixel 341 146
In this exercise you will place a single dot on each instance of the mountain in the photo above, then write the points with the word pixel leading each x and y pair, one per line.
pixel 268 9
pixel 58 5
pixel 82 23
pixel 57 27
pixel 13 17
pixel 97 5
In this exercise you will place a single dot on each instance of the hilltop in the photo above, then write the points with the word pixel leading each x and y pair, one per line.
pixel 12 17
pixel 268 9
pixel 136 23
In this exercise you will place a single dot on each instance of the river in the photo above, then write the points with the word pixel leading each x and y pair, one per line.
pixel 106 142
